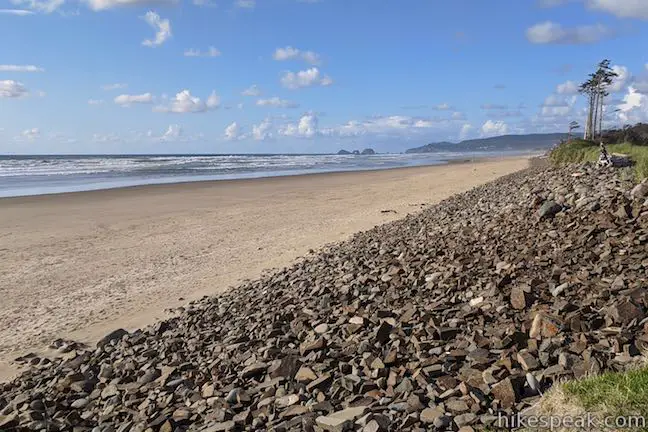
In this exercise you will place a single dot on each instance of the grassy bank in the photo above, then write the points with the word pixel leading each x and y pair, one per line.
pixel 611 396
pixel 582 151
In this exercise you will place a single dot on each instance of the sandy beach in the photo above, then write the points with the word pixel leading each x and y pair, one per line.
pixel 79 265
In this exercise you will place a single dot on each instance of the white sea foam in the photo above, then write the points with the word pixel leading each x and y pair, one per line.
pixel 29 175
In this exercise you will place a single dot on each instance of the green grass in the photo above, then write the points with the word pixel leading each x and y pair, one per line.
pixel 581 151
pixel 612 393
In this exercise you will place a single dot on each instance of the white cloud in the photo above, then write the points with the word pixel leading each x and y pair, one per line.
pixel 18 12
pixel 245 4
pixel 466 131
pixel 44 6
pixel 277 102
pixel 184 102
pixel 12 89
pixel 251 91
pixel 312 58
pixel 172 133
pixel 308 78
pixel 162 29
pixel 385 126
pixel 98 5
pixel 289 53
pixel 31 134
pixel 634 108
pixel 552 33
pixel 95 101
pixel 286 53
pixel 261 131
pixel 307 127
pixel 567 88
pixel 20 68
pixel 127 100
pixel 211 52
pixel 115 86
pixel 620 82
pixel 458 115
pixel 557 105
pixel 556 101
pixel 233 132
pixel 494 128
pixel 622 8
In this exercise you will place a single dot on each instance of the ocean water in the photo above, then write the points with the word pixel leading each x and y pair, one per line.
pixel 36 175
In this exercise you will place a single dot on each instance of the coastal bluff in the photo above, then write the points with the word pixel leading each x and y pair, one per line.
pixel 447 318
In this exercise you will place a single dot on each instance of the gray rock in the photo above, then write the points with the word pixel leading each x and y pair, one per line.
pixel 549 209
pixel 112 336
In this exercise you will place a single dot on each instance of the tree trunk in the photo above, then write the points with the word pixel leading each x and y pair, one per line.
pixel 596 109
pixel 602 100
pixel 588 128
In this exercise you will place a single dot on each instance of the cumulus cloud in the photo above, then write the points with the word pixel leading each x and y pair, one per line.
pixel 277 102
pixel 567 88
pixel 466 131
pixel 115 86
pixel 620 82
pixel 494 128
pixel 12 89
pixel 290 53
pixel 21 68
pixel 385 126
pixel 633 108
pixel 557 105
pixel 251 91
pixel 127 100
pixel 552 33
pixel 308 78
pixel 211 52
pixel 17 12
pixel 233 132
pixel 162 29
pixel 185 102
pixel 99 5
pixel 262 131
pixel 172 133
pixel 95 101
pixel 31 134
pixel 307 127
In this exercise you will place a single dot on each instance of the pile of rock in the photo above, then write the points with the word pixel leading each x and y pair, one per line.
pixel 444 319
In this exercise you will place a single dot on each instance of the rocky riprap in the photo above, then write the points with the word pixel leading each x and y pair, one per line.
pixel 444 319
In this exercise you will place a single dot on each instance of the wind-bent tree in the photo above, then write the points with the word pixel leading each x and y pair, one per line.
pixel 572 126
pixel 587 89
pixel 606 77
pixel 595 88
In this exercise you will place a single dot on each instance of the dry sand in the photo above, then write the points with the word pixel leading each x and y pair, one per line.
pixel 79 265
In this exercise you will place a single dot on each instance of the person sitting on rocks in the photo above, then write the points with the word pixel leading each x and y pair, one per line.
pixel 604 157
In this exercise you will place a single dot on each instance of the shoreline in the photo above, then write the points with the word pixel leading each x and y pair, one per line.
pixel 85 263
pixel 262 176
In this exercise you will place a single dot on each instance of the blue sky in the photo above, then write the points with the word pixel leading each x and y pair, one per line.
pixel 215 76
